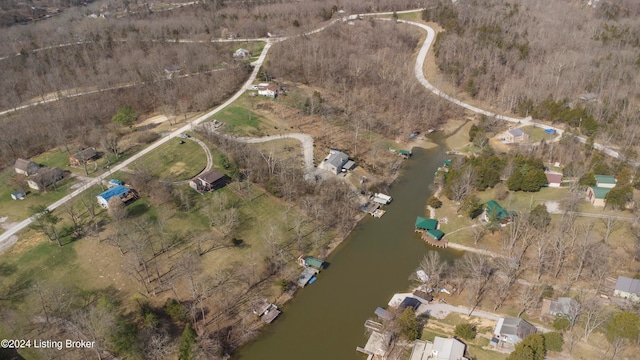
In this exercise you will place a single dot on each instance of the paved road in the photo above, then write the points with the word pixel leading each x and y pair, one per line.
pixel 207 152
pixel 8 238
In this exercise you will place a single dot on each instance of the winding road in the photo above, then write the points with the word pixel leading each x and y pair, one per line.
pixel 8 238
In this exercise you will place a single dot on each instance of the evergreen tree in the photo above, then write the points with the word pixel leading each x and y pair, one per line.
pixel 187 341
pixel 408 324
pixel 531 348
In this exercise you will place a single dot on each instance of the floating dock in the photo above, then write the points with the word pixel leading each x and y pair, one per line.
pixel 378 213
pixel 442 243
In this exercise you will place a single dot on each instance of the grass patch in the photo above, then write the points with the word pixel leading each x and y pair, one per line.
pixel 537 134
pixel 174 161
pixel 239 120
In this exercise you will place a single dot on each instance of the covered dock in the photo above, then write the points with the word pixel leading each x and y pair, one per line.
pixel 428 229
pixel 306 276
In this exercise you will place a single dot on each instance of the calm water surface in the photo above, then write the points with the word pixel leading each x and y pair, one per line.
pixel 325 320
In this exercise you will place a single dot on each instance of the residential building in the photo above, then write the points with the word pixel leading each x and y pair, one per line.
pixel 208 181
pixel 564 306
pixel 305 261
pixel 18 195
pixel 554 179
pixel 605 181
pixel 26 167
pixel 120 191
pixel 597 195
pixel 242 54
pixel 627 288
pixel 45 177
pixel 336 162
pixel 439 349
pixel 268 90
pixel 83 157
pixel 516 135
pixel 513 330
pixel 494 212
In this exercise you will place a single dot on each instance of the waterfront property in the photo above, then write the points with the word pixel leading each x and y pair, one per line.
pixel 307 275
pixel 306 261
pixel 627 288
pixel 440 349
pixel 428 228
pixel 405 153
pixel 266 311
pixel 513 330
pixel 336 162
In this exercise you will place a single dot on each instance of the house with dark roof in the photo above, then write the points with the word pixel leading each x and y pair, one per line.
pixel 627 288
pixel 516 135
pixel 208 181
pixel 26 167
pixel 513 330
pixel 45 177
pixel 336 162
pixel 83 157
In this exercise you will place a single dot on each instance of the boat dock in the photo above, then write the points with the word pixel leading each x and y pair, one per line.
pixel 442 243
pixel 271 314
pixel 306 276
pixel 378 213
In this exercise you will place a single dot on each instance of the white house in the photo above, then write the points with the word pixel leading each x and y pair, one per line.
pixel 516 136
pixel 269 90
pixel 627 288
pixel 26 167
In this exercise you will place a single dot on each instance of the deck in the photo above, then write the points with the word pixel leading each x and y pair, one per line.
pixel 378 213
pixel 306 275
pixel 442 243
pixel 271 314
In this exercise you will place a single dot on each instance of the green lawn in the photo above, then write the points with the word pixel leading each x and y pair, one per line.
pixel 174 161
pixel 238 120
pixel 537 134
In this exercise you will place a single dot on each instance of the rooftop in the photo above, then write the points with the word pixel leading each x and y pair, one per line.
pixel 426 224
pixel 495 210
pixel 516 132
pixel 605 179
pixel 114 191
pixel 600 192
pixel 211 176
pixel 628 285
pixel 554 178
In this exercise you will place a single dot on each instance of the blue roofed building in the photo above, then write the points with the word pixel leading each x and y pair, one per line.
pixel 120 191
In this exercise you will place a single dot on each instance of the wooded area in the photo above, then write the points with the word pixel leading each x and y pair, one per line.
pixel 539 58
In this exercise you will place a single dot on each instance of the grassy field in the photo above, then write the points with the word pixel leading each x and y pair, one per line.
pixel 239 120
pixel 537 134
pixel 17 210
pixel 174 161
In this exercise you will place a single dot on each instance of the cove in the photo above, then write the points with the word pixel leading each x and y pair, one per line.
pixel 325 319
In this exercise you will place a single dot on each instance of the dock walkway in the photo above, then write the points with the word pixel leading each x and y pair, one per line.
pixel 442 243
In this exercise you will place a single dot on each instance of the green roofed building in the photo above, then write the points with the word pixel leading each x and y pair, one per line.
pixel 447 162
pixel 597 195
pixel 605 181
pixel 435 233
pixel 310 261
pixel 405 153
pixel 495 212
pixel 426 224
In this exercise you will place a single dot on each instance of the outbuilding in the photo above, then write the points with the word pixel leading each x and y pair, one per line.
pixel 119 191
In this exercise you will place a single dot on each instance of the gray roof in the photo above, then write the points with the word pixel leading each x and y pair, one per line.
pixel 448 349
pixel 562 306
pixel 517 327
pixel 516 132
pixel 25 165
pixel 337 158
pixel 85 154
pixel 628 285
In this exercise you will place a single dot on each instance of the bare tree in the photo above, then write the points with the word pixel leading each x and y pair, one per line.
pixel 594 315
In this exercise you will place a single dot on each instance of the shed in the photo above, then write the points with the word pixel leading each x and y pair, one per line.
pixel 554 179
pixel 310 261
pixel 426 224
pixel 405 153
pixel 435 233
pixel 26 167
pixel 114 182
pixel 242 54
pixel 119 191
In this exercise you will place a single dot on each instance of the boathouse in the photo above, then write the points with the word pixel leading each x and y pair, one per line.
pixel 430 233
pixel 306 261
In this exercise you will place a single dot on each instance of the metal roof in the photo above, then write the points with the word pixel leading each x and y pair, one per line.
pixel 516 132
pixel 600 192
pixel 426 224
pixel 605 179
pixel 628 285
pixel 114 191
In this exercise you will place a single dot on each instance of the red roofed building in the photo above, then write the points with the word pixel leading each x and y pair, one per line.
pixel 554 179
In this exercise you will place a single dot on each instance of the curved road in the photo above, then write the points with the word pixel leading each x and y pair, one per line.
pixel 7 238
pixel 305 140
